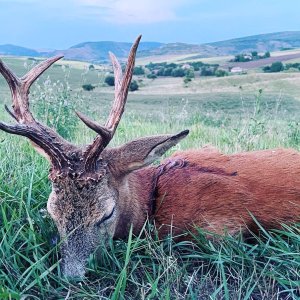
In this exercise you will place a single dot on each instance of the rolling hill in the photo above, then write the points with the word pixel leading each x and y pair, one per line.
pixel 13 50
pixel 98 51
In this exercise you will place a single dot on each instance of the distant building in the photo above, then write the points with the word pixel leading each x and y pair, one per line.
pixel 236 70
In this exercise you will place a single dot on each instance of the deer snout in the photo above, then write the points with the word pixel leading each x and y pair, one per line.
pixel 72 268
pixel 75 252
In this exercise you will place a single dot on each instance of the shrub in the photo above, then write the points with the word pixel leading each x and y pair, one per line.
pixel 151 76
pixel 139 70
pixel 241 58
pixel 91 67
pixel 207 71
pixel 110 80
pixel 161 71
pixel 277 66
pixel 167 71
pixel 190 73
pixel 178 72
pixel 88 87
pixel 133 86
pixel 221 73
pixel 292 66
pixel 186 80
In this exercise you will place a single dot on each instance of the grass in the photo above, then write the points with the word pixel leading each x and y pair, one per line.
pixel 227 116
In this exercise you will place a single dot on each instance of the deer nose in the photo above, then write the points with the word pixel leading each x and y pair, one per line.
pixel 73 269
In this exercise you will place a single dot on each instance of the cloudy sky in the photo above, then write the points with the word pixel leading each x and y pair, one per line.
pixel 60 24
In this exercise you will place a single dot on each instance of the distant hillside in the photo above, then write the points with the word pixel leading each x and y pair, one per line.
pixel 261 43
pixel 17 51
pixel 98 51
pixel 182 49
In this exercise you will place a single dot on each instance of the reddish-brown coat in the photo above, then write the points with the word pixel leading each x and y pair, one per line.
pixel 207 193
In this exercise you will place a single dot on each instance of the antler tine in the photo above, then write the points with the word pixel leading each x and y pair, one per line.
pixel 102 131
pixel 121 95
pixel 38 70
pixel 106 133
pixel 12 80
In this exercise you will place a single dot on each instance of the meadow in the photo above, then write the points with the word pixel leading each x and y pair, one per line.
pixel 234 113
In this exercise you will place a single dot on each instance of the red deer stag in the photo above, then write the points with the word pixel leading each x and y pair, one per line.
pixel 99 192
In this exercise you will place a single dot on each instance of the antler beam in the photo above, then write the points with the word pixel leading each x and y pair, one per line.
pixel 106 133
pixel 44 137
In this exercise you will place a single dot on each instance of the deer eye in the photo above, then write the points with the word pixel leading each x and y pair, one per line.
pixel 105 218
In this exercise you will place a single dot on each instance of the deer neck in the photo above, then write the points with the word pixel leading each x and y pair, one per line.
pixel 136 201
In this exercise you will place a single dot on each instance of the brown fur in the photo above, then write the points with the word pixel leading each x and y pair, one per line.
pixel 266 184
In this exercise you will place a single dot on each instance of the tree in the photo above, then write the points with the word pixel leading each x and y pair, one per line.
pixel 151 76
pixel 208 71
pixel 276 66
pixel 110 80
pixel 133 86
pixel 168 71
pixel 139 70
pixel 189 73
pixel 91 67
pixel 178 72
pixel 267 54
pixel 221 73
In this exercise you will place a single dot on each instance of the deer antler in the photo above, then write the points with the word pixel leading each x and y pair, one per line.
pixel 106 133
pixel 61 152
pixel 44 137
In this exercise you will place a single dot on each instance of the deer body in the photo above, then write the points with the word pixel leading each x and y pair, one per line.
pixel 99 192
pixel 213 191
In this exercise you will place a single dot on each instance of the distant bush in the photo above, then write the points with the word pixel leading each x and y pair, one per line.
pixel 133 86
pixel 186 80
pixel 292 66
pixel 91 67
pixel 110 80
pixel 88 87
pixel 208 71
pixel 248 57
pixel 196 65
pixel 221 73
pixel 275 67
pixel 189 73
pixel 241 58
pixel 139 70
pixel 151 76
pixel 178 72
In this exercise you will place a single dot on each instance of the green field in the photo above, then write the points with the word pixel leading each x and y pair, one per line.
pixel 234 113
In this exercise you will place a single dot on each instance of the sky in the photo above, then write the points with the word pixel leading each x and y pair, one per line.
pixel 60 24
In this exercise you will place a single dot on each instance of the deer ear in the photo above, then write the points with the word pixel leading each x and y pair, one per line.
pixel 140 153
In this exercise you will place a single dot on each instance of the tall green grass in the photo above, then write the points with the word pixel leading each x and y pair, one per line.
pixel 144 267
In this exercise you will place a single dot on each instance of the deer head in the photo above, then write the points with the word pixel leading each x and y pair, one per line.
pixel 85 203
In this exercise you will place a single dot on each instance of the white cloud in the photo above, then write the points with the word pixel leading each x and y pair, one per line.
pixel 132 11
